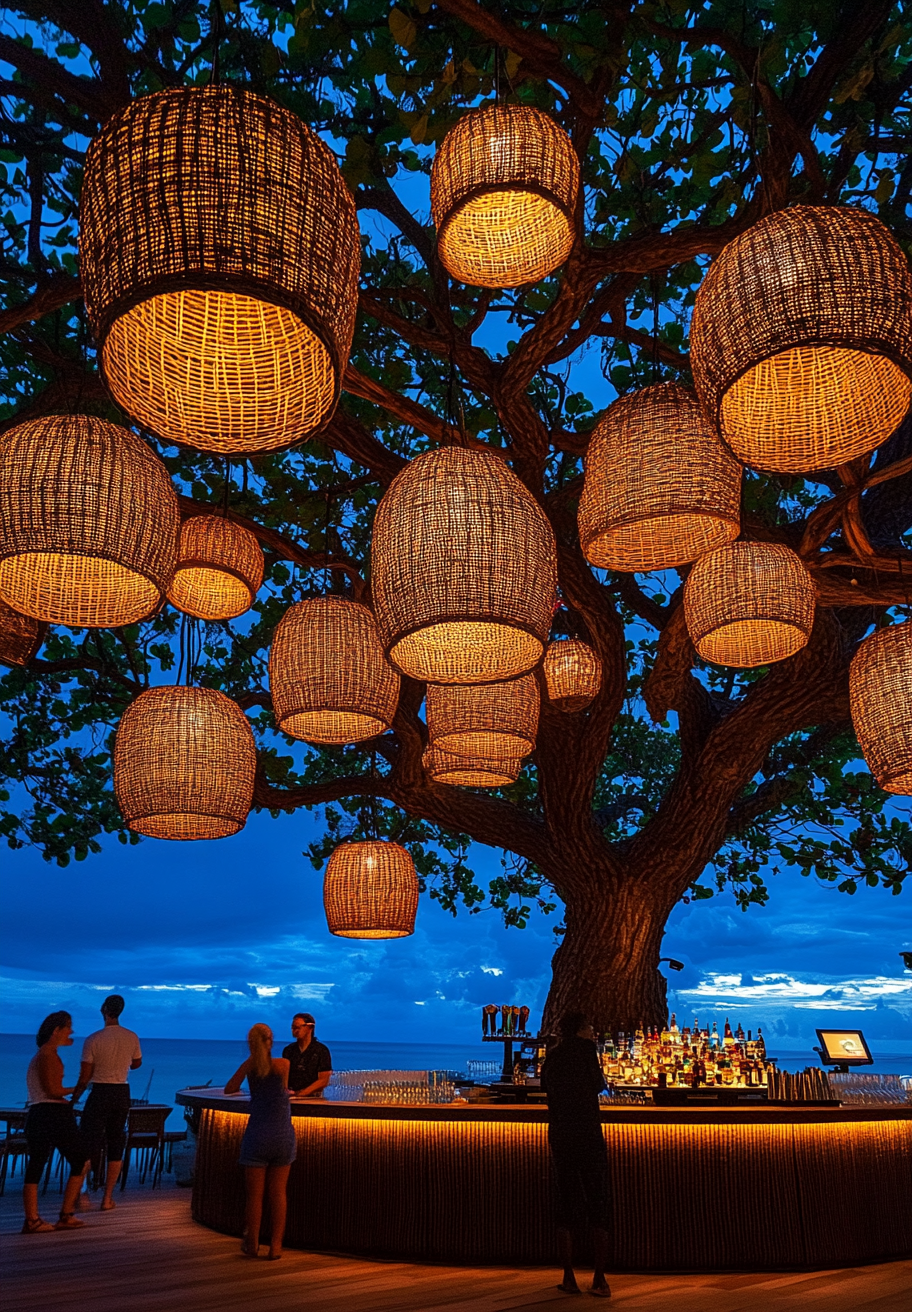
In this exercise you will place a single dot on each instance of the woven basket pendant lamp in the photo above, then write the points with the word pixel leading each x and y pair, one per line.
pixel 20 636
pixel 660 487
pixel 329 677
pixel 801 340
pixel 573 674
pixel 184 764
pixel 749 604
pixel 503 190
pixel 370 890
pixel 880 696
pixel 463 569
pixel 487 720
pixel 470 771
pixel 88 523
pixel 219 568
pixel 220 253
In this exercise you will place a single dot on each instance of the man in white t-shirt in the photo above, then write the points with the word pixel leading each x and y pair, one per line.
pixel 108 1056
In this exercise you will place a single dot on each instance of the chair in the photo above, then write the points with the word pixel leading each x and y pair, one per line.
pixel 13 1146
pixel 146 1135
pixel 171 1138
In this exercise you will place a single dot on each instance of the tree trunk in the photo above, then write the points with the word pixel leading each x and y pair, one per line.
pixel 607 965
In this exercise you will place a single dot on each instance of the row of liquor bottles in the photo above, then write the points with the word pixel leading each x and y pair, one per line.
pixel 504 1021
pixel 688 1057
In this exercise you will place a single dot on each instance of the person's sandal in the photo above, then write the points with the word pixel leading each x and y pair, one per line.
pixel 37 1226
pixel 68 1221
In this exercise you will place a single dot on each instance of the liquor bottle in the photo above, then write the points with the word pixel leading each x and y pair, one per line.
pixel 739 1033
pixel 673 1032
pixel 728 1039
pixel 761 1045
pixel 714 1040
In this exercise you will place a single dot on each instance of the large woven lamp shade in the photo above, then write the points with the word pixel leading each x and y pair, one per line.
pixel 801 340
pixel 660 489
pixel 488 720
pixel 184 764
pixel 219 252
pixel 573 674
pixel 219 568
pixel 370 890
pixel 329 677
pixel 880 696
pixel 88 523
pixel 749 604
pixel 503 189
pixel 463 569
pixel 20 636
pixel 470 771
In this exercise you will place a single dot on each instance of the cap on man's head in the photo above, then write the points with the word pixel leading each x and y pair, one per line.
pixel 305 1016
pixel 113 1005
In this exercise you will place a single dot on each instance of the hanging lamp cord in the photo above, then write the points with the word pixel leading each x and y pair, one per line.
pixel 216 30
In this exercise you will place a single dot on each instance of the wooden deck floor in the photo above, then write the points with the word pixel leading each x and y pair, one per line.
pixel 148 1256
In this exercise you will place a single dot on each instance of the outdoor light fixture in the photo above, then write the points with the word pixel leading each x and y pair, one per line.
pixel 370 890
pixel 470 771
pixel 880 699
pixel 488 720
pixel 674 965
pixel 219 568
pixel 20 636
pixel 573 674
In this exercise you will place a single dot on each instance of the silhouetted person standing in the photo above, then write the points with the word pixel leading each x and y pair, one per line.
pixel 108 1056
pixel 572 1078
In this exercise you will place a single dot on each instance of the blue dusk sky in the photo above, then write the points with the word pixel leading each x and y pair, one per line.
pixel 203 939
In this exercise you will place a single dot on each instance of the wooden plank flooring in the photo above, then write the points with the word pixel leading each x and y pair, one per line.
pixel 148 1256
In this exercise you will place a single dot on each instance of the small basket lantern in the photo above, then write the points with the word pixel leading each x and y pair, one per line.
pixel 370 890
pixel 801 340
pixel 573 674
pixel 488 720
pixel 330 679
pixel 660 489
pixel 20 636
pixel 219 568
pixel 470 771
pixel 749 604
pixel 220 253
pixel 464 569
pixel 503 191
pixel 880 696
pixel 89 523
pixel 184 764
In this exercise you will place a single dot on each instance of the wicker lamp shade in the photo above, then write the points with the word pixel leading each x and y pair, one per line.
pixel 880 696
pixel 573 674
pixel 463 569
pixel 470 771
pixel 220 253
pixel 184 764
pixel 219 568
pixel 20 636
pixel 503 190
pixel 370 890
pixel 660 489
pixel 749 604
pixel 493 721
pixel 88 523
pixel 801 340
pixel 330 679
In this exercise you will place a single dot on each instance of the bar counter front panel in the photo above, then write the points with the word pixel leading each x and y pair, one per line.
pixel 710 1189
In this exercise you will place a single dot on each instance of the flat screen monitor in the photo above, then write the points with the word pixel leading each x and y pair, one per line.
pixel 844 1048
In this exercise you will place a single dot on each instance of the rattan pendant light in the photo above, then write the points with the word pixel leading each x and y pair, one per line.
pixel 370 890
pixel 219 568
pixel 219 252
pixel 801 340
pixel 880 695
pixel 573 674
pixel 184 764
pixel 463 569
pixel 20 636
pixel 88 523
pixel 489 720
pixel 470 771
pixel 503 190
pixel 749 604
pixel 330 680
pixel 660 487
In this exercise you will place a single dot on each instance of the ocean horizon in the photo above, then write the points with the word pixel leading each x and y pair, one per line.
pixel 173 1064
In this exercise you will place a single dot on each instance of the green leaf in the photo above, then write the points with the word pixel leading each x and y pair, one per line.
pixel 404 31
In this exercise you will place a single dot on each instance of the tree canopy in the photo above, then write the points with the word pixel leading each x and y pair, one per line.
pixel 691 121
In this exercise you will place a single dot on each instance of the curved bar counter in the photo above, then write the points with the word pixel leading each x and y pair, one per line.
pixel 768 1187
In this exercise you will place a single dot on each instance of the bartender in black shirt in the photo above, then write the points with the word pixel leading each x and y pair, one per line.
pixel 311 1064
